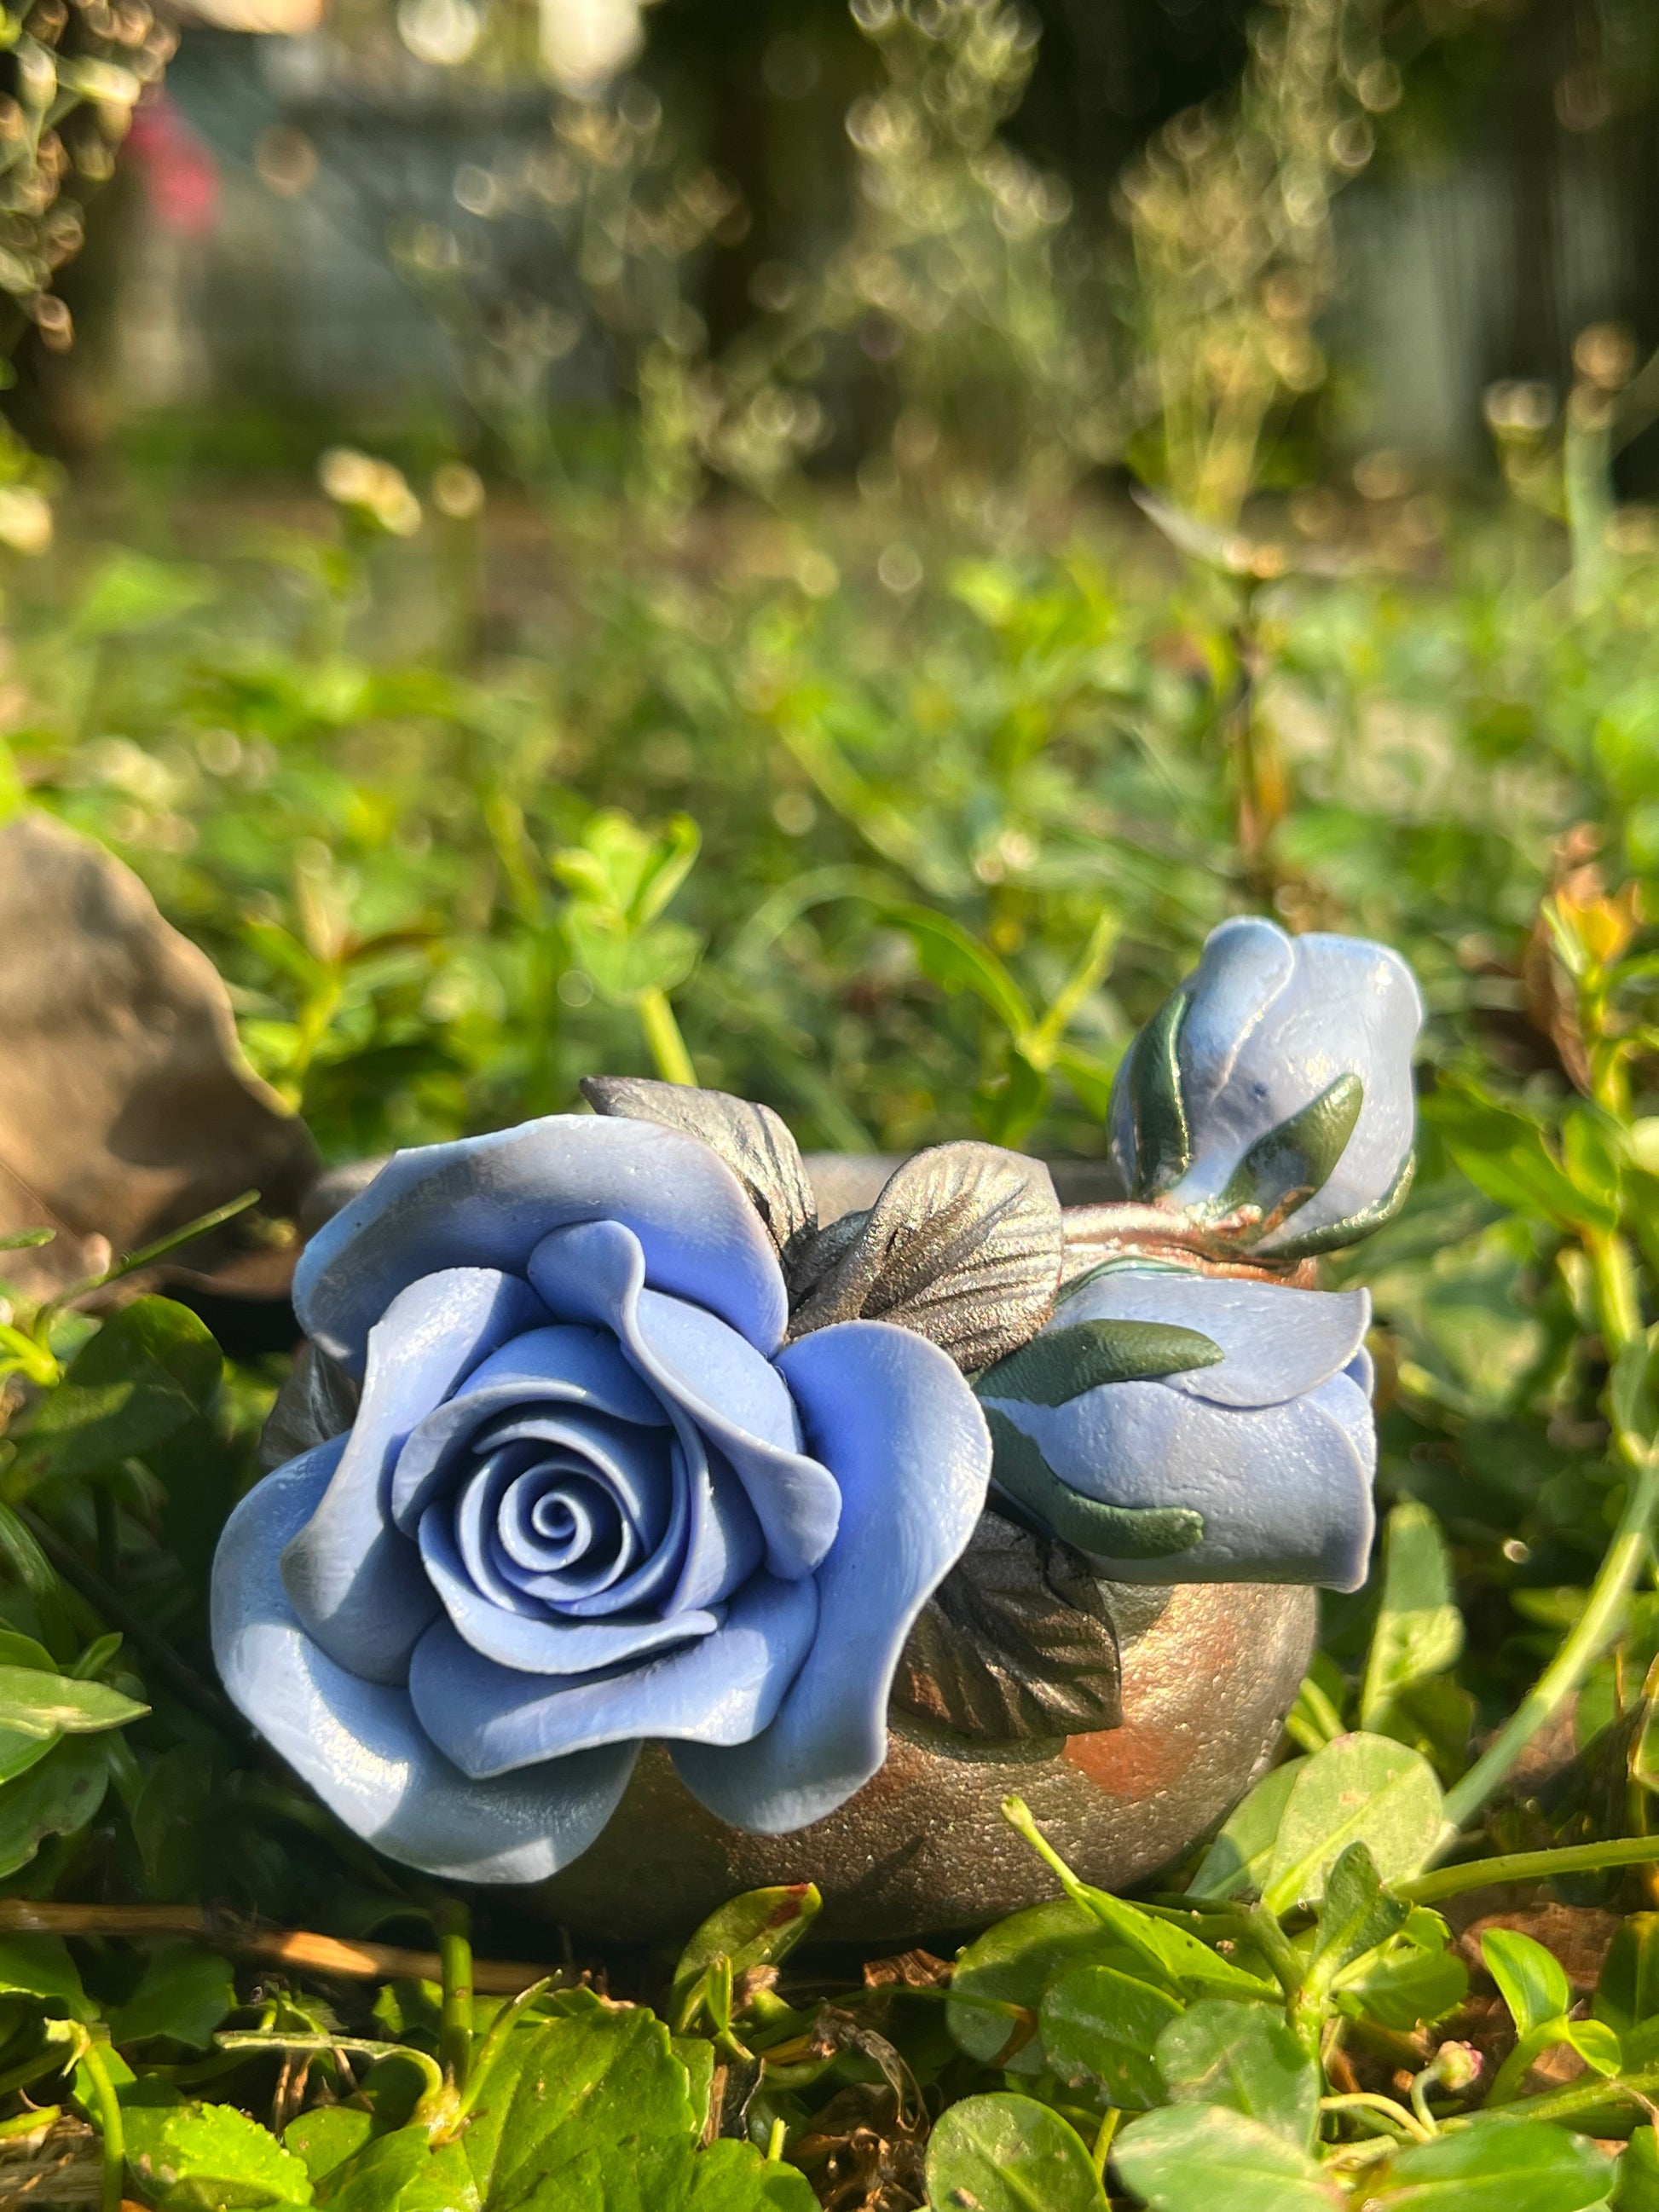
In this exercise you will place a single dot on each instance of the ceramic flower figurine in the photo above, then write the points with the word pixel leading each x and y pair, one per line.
pixel 1278 1077
pixel 602 1440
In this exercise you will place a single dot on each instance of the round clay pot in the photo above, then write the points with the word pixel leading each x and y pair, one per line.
pixel 1210 1670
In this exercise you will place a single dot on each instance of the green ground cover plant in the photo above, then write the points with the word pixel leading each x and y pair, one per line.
pixel 908 866
pixel 899 810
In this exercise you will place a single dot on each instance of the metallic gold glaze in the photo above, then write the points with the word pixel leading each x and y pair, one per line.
pixel 1209 1671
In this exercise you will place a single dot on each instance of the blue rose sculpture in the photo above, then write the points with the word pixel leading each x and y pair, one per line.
pixel 1195 1428
pixel 602 1440
pixel 1189 1414
pixel 1275 1083
pixel 592 1495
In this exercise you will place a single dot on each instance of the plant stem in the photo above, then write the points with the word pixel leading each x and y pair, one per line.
pixel 1529 1866
pixel 663 1039
pixel 1368 2102
pixel 1102 2149
pixel 452 1923
pixel 108 2108
pixel 1623 1561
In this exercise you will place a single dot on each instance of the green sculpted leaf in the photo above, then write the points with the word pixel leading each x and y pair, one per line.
pixel 1359 1789
pixel 1114 1532
pixel 1243 2057
pixel 1063 1362
pixel 1283 1170
pixel 1195 2158
pixel 1163 1144
pixel 1009 2153
pixel 1497 2167
pixel 1099 2029
pixel 1354 1226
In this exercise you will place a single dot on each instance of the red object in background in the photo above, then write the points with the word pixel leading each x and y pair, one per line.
pixel 180 173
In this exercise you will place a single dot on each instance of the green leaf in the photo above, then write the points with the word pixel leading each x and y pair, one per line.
pixel 1172 1951
pixel 1497 2165
pixel 402 2171
pixel 1197 2158
pixel 1012 1963
pixel 1099 2026
pixel 34 1703
pixel 1237 1861
pixel 40 1967
pixel 727 2177
pixel 184 1993
pixel 1008 2154
pixel 956 961
pixel 1531 1980
pixel 1112 1532
pixel 1420 1629
pixel 1627 1988
pixel 151 1367
pixel 1361 1789
pixel 1637 2190
pixel 1061 1363
pixel 1243 2057
pixel 621 964
pixel 327 2135
pixel 1356 1917
pixel 1091 1079
pixel 1163 1144
pixel 600 2080
pixel 55 1798
pixel 1402 1987
pixel 1596 2043
pixel 1504 1153
pixel 1283 1170
pixel 759 1929
pixel 209 2158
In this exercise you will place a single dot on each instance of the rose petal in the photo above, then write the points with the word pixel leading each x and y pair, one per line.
pixel 893 1419
pixel 1285 1491
pixel 545 1370
pixel 493 1720
pixel 596 1273
pixel 542 1643
pixel 358 1745
pixel 490 1201
pixel 1279 1343
pixel 356 1583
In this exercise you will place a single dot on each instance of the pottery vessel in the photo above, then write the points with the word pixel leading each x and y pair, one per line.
pixel 1210 1670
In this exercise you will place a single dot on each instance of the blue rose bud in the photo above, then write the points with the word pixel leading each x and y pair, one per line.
pixel 1181 1427
pixel 1277 1077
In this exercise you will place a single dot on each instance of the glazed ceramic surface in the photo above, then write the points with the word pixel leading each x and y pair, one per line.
pixel 1209 1671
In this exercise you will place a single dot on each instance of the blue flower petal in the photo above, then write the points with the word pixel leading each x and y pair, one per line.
pixel 1279 1343
pixel 891 1415
pixel 356 1582
pixel 492 1720
pixel 1285 1491
pixel 489 1201
pixel 358 1745
pixel 596 1273
pixel 542 1643
pixel 1246 966
pixel 548 1368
